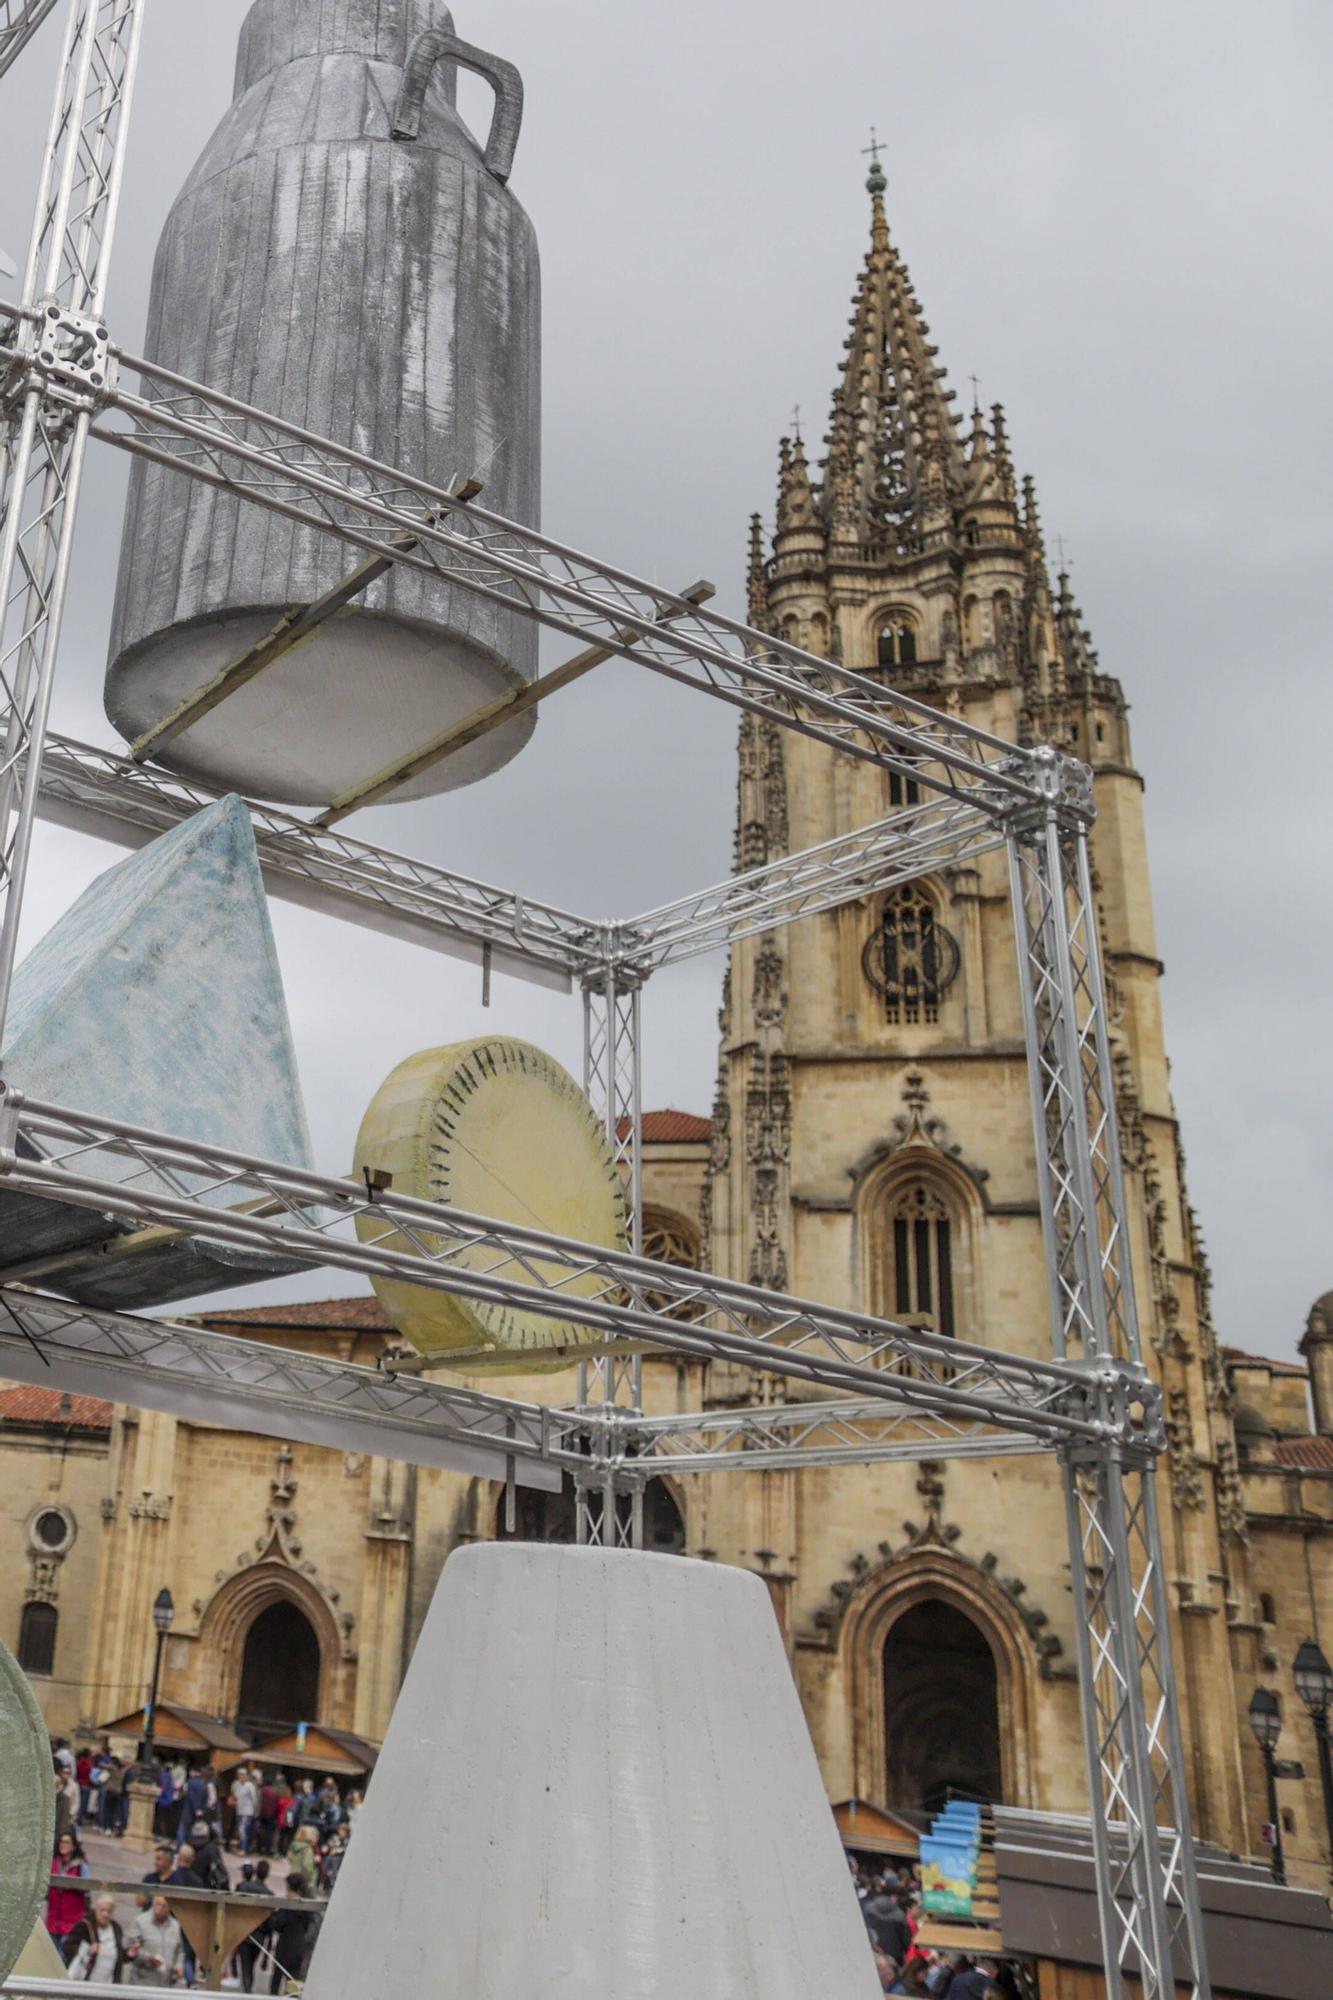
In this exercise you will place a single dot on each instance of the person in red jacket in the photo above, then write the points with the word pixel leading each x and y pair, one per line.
pixel 66 1907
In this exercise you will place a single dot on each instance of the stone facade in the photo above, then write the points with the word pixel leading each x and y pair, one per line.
pixel 870 1145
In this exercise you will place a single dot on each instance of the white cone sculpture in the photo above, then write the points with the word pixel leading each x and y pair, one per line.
pixel 597 1782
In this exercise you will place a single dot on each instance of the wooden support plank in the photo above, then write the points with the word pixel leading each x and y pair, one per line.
pixel 294 626
pixel 482 721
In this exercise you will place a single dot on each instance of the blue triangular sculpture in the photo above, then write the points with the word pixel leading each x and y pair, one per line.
pixel 157 999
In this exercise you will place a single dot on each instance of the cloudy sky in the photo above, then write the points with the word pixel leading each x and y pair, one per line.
pixel 1116 218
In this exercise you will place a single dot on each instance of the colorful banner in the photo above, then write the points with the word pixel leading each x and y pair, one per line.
pixel 948 1871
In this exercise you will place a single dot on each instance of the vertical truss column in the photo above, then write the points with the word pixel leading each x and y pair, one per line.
pixel 45 437
pixel 1142 1845
pixel 610 1497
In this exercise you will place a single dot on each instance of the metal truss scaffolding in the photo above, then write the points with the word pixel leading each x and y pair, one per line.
pixel 853 1389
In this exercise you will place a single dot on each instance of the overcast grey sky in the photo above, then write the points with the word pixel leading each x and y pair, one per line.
pixel 1116 217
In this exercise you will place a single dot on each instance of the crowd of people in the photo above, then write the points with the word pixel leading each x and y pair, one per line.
pixel 259 1813
pixel 890 1900
pixel 262 1817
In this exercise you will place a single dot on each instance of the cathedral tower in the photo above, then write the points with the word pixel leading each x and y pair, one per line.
pixel 872 1142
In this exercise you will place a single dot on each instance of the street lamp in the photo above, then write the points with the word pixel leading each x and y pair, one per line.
pixel 1266 1723
pixel 1314 1684
pixel 164 1610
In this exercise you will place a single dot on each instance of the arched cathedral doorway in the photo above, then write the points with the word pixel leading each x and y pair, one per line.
pixel 279 1671
pixel 941 1708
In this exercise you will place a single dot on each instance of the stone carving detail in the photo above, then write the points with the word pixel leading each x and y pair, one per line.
pixel 917 1125
pixel 930 1485
pixel 767 1152
pixel 1231 1515
pixel 151 1507
pixel 1046 1644
pixel 768 1122
pixel 761 816
pixel 770 999
pixel 279 1542
pixel 44 1581
pixel 1187 1487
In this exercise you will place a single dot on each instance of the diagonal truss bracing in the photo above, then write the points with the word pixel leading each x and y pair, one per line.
pixel 220 1378
pixel 776 1437
pixel 19 22
pixel 915 841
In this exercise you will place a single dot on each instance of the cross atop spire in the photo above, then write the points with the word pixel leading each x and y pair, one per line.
pixel 875 181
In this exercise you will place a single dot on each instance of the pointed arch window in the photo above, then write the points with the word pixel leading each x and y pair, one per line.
pixel 921 1279
pixel 911 959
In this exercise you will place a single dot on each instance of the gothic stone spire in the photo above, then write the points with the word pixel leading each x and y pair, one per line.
pixel 894 463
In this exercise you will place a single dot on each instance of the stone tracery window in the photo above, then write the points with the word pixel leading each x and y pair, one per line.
pixel 670 1240
pixel 921 1256
pixel 911 958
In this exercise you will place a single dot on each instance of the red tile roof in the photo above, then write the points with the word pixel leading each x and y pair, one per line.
pixel 1236 1357
pixel 1311 1454
pixel 664 1127
pixel 360 1315
pixel 26 1405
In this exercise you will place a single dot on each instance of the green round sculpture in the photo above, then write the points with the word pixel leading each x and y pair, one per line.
pixel 28 1820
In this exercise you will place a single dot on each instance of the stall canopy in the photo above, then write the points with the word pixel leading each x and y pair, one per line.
pixel 872 1829
pixel 314 1748
pixel 205 1738
pixel 1263 1942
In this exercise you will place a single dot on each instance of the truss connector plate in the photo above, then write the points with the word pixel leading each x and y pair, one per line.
pixel 72 352
pixel 627 975
pixel 1064 785
pixel 1122 1398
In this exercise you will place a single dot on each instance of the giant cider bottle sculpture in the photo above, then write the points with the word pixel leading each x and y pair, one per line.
pixel 346 256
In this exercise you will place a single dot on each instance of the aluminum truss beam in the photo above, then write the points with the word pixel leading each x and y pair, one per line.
pixel 196 430
pixel 215 1378
pixel 98 792
pixel 103 793
pixel 916 841
pixel 152 1177
pixel 19 22
pixel 1147 1890
pixel 784 1437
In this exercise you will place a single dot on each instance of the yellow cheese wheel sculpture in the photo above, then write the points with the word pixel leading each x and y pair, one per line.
pixel 498 1128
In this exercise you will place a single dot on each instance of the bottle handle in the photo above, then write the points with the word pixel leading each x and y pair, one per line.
pixel 435 45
